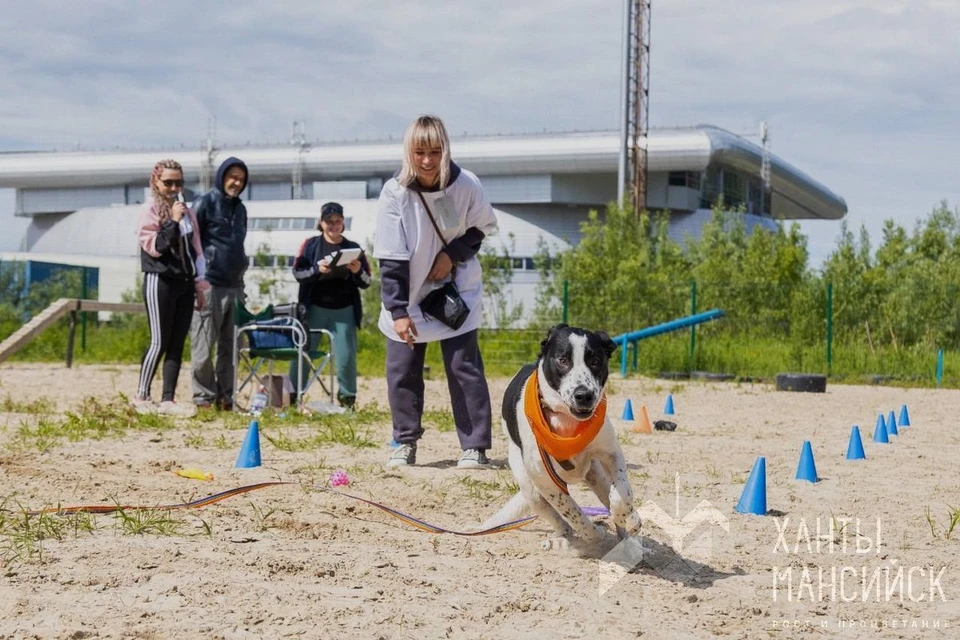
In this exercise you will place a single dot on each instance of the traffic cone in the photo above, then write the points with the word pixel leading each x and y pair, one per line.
pixel 668 408
pixel 643 425
pixel 892 425
pixel 880 432
pixel 754 497
pixel 855 448
pixel 627 411
pixel 807 469
pixel 250 451
pixel 904 420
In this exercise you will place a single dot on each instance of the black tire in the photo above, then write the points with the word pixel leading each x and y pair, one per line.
pixel 711 377
pixel 808 382
pixel 673 375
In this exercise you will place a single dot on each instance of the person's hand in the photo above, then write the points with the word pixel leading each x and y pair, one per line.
pixel 177 211
pixel 442 265
pixel 354 266
pixel 406 329
pixel 323 267
pixel 202 288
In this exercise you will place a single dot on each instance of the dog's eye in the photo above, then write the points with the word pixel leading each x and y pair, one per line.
pixel 593 361
pixel 563 361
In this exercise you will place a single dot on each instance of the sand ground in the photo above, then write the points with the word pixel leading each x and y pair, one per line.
pixel 289 561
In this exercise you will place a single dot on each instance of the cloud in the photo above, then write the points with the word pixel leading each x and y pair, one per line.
pixel 860 94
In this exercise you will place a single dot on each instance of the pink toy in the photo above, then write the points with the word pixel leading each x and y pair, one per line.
pixel 339 478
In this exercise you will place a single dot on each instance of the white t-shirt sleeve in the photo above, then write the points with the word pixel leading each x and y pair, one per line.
pixel 390 239
pixel 480 214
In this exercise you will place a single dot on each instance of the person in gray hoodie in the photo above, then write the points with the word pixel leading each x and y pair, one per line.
pixel 222 219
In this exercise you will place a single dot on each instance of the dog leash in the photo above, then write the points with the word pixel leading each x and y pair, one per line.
pixel 223 495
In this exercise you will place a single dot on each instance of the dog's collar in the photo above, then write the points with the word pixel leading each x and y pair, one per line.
pixel 560 448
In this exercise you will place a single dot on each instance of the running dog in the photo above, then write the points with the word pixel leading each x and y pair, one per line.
pixel 554 414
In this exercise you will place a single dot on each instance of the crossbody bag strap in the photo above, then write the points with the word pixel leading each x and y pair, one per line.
pixel 453 269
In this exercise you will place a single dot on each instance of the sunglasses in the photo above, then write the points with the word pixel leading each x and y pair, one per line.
pixel 172 183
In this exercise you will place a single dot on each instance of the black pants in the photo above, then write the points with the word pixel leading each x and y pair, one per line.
pixel 169 311
pixel 469 394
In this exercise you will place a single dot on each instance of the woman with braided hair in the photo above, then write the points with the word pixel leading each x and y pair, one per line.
pixel 174 272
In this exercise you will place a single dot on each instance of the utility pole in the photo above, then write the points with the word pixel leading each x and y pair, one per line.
pixel 298 139
pixel 635 126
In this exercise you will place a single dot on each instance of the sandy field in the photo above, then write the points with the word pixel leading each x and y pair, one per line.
pixel 866 552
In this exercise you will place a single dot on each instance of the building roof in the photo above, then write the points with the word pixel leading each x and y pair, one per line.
pixel 795 194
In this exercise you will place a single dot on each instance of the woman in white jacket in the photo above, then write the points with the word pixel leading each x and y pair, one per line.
pixel 414 260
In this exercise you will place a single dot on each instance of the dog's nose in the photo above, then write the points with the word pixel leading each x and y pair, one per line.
pixel 584 396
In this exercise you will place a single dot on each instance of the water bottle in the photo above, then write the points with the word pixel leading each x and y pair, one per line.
pixel 259 401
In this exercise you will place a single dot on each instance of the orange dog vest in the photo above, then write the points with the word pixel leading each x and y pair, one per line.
pixel 560 447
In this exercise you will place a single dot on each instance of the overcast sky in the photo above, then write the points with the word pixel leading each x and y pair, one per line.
pixel 863 95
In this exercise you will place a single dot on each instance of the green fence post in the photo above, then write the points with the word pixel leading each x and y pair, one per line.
pixel 83 316
pixel 829 327
pixel 566 299
pixel 693 329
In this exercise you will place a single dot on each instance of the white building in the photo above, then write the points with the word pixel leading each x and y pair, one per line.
pixel 82 206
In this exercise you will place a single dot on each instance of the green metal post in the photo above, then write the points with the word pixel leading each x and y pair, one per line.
pixel 566 299
pixel 829 327
pixel 693 329
pixel 83 316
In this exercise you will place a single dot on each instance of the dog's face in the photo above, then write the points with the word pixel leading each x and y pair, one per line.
pixel 574 366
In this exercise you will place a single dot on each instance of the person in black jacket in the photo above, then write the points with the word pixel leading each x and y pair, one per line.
pixel 173 279
pixel 331 292
pixel 222 219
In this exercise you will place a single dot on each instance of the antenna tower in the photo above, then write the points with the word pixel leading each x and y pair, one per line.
pixel 765 204
pixel 635 128
pixel 208 152
pixel 298 138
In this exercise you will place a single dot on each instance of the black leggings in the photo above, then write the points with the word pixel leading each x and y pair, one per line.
pixel 169 311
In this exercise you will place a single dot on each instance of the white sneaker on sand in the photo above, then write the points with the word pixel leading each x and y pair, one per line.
pixel 144 405
pixel 404 455
pixel 473 459
pixel 171 408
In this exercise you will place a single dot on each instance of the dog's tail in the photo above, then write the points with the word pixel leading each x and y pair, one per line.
pixel 515 509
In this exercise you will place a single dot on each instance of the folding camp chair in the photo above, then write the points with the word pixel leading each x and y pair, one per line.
pixel 280 334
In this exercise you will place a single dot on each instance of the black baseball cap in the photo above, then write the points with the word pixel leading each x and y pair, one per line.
pixel 331 209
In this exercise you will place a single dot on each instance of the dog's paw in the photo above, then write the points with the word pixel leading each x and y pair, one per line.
pixel 556 544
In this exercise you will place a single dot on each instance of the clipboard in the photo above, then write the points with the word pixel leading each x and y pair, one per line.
pixel 343 257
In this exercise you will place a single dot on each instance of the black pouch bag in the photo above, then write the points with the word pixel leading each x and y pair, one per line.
pixel 446 305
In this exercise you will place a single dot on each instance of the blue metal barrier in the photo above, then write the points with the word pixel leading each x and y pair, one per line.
pixel 681 323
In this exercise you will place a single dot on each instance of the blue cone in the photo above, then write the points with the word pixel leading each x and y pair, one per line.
pixel 880 432
pixel 754 497
pixel 904 420
pixel 807 469
pixel 250 451
pixel 668 408
pixel 855 448
pixel 892 425
pixel 627 411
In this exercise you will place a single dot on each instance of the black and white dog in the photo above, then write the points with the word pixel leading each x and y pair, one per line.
pixel 554 413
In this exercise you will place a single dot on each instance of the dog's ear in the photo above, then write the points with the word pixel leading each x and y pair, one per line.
pixel 543 343
pixel 608 345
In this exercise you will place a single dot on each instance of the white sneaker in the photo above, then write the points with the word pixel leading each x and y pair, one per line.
pixel 171 408
pixel 404 455
pixel 144 405
pixel 473 459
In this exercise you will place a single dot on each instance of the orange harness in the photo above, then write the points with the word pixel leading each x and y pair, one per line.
pixel 560 448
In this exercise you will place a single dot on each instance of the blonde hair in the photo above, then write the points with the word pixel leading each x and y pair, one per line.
pixel 163 207
pixel 425 132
